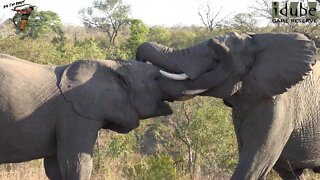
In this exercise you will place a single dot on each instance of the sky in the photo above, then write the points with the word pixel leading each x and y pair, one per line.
pixel 151 12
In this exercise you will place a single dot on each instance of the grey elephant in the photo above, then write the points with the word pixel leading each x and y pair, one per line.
pixel 55 112
pixel 272 83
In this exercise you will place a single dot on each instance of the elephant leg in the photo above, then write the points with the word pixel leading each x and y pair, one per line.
pixel 75 166
pixel 75 141
pixel 263 133
pixel 51 167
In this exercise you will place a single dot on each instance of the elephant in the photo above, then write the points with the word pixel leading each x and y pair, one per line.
pixel 55 112
pixel 272 83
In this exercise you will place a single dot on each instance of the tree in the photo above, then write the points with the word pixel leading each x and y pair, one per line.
pixel 210 18
pixel 244 22
pixel 262 8
pixel 181 38
pixel 108 16
pixel 159 35
pixel 138 34
pixel 199 137
pixel 59 41
pixel 42 23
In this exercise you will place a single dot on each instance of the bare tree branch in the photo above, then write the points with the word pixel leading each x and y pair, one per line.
pixel 244 22
pixel 262 8
pixel 209 18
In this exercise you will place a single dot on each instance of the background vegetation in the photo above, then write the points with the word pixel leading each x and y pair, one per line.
pixel 196 142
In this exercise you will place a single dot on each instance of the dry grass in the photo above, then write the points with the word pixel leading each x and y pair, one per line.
pixel 23 171
pixel 33 170
pixel 24 174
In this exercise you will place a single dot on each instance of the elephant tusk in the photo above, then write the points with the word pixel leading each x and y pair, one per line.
pixel 178 77
pixel 193 92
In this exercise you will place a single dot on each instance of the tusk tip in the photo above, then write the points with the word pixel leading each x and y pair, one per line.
pixel 173 76
pixel 194 92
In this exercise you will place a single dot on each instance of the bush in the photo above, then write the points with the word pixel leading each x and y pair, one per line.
pixel 156 167
pixel 38 51
pixel 87 49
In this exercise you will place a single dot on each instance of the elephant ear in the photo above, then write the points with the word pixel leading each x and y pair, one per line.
pixel 98 91
pixel 281 61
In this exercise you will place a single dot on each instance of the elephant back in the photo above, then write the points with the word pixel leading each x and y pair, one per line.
pixel 25 86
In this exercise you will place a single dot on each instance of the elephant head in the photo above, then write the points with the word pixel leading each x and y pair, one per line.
pixel 256 66
pixel 117 93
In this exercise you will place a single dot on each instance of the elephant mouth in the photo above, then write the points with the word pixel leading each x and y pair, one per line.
pixel 164 108
pixel 161 108
pixel 119 128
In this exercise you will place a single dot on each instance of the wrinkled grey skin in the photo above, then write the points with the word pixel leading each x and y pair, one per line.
pixel 272 83
pixel 55 112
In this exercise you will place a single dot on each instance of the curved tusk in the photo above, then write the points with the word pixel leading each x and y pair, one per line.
pixel 178 77
pixel 194 92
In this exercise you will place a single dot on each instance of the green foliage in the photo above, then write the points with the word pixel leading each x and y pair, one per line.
pixel 204 132
pixel 159 35
pixel 138 35
pixel 83 50
pixel 44 52
pixel 157 167
pixel 212 127
pixel 161 167
pixel 117 52
pixel 120 145
pixel 38 51
pixel 182 39
pixel 199 129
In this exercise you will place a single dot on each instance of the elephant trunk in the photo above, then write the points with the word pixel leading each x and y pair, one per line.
pixel 158 55
pixel 183 62
pixel 211 79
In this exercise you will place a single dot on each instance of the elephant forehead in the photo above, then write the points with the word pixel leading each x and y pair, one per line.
pixel 139 73
pixel 141 68
pixel 89 73
pixel 80 71
pixel 238 44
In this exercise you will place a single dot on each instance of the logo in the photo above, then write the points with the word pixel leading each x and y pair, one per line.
pixel 23 11
pixel 22 14
pixel 295 12
pixel 13 4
